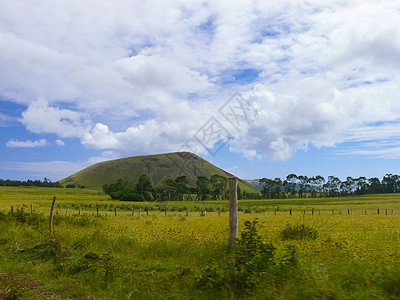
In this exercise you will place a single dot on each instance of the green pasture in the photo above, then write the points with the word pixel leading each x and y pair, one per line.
pixel 351 256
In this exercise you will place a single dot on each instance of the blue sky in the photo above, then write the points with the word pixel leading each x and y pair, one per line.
pixel 277 87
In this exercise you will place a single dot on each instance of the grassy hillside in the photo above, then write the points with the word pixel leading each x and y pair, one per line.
pixel 158 167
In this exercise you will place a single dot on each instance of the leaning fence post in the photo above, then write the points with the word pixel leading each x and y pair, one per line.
pixel 51 215
pixel 233 211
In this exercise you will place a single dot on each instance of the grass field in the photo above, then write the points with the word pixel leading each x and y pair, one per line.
pixel 350 256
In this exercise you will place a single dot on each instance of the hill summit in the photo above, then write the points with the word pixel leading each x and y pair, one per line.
pixel 158 168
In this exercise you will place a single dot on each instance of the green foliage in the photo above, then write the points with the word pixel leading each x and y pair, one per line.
pixel 127 195
pixel 21 217
pixel 244 267
pixel 118 186
pixel 298 232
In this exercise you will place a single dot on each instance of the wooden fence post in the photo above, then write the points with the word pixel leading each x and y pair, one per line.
pixel 165 211
pixel 97 210
pixel 115 211
pixel 31 208
pixel 66 212
pixel 233 212
pixel 79 211
pixel 51 215
pixel 12 209
pixel 290 211
pixel 133 212
pixel 140 212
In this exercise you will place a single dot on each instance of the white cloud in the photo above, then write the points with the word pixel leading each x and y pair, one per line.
pixel 60 143
pixel 26 144
pixel 42 118
pixel 143 80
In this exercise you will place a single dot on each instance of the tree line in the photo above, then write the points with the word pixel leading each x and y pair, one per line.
pixel 213 188
pixel 45 183
pixel 300 186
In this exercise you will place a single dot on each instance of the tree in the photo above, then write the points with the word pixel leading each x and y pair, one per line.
pixel 361 185
pixel 292 180
pixel 203 187
pixel 374 186
pixel 391 183
pixel 144 187
pixel 303 185
pixel 181 186
pixel 348 186
pixel 219 185
pixel 333 186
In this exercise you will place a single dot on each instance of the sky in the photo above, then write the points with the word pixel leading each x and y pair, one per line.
pixel 259 88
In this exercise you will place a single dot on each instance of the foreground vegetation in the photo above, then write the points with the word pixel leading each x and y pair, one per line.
pixel 283 256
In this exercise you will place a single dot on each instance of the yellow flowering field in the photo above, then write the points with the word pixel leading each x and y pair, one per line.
pixel 343 249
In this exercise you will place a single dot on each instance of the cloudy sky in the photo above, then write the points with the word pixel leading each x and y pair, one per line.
pixel 260 88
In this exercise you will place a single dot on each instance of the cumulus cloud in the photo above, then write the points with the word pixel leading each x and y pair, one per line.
pixel 42 118
pixel 145 81
pixel 26 144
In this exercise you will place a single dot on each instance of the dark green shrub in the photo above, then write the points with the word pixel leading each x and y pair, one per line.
pixel 245 264
pixel 298 232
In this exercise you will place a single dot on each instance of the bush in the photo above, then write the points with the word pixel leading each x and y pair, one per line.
pixel 126 195
pixel 21 217
pixel 298 232
pixel 249 260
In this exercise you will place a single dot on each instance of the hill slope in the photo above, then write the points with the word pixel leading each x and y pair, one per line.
pixel 158 167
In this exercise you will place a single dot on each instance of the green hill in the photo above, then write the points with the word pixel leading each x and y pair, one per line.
pixel 157 167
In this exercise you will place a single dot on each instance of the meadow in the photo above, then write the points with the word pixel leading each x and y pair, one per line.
pixel 345 250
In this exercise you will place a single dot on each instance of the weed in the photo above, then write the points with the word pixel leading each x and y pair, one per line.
pixel 248 261
pixel 298 232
